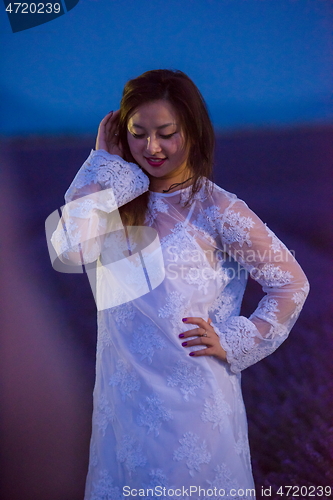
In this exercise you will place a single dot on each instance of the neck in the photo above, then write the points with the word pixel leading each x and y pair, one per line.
pixel 173 183
pixel 176 185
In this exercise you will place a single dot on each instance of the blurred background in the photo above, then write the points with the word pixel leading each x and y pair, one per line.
pixel 265 69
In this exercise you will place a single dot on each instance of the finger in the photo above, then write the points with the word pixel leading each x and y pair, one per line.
pixel 112 124
pixel 198 341
pixel 113 117
pixel 201 332
pixel 103 130
pixel 110 118
pixel 106 119
pixel 196 321
pixel 209 351
pixel 219 353
pixel 191 333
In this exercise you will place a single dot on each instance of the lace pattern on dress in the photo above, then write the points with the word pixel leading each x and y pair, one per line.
pixel 237 229
pixel 201 276
pixel 238 340
pixel 103 413
pixel 267 309
pixel 276 245
pixel 299 298
pixel 216 411
pixel 130 453
pixel 153 414
pixel 226 305
pixel 126 379
pixel 103 489
pixel 194 453
pixel 93 455
pixel 242 448
pixel 187 377
pixel 227 228
pixel 175 309
pixel 103 339
pixel 110 171
pixel 122 313
pixel 272 276
pixel 145 341
pixel 158 478
pixel 181 239
pixel 205 222
pixel 224 480
pixel 155 205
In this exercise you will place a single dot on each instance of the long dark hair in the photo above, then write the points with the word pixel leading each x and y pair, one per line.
pixel 179 90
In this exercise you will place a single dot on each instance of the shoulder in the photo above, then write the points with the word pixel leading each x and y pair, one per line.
pixel 223 209
pixel 220 198
pixel 220 193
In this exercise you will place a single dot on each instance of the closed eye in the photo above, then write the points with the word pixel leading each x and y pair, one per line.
pixel 141 136
pixel 138 136
pixel 167 136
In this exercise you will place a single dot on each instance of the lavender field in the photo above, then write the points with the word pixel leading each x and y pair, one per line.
pixel 285 176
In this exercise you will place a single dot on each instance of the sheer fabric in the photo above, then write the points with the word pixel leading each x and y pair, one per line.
pixel 162 418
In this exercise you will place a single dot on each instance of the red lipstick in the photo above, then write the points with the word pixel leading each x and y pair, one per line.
pixel 155 162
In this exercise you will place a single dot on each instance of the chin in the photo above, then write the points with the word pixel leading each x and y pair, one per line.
pixel 153 173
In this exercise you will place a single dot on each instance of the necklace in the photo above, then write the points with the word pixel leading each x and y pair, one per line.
pixel 176 184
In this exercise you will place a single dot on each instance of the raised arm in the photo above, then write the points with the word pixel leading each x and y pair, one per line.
pixel 249 241
pixel 103 184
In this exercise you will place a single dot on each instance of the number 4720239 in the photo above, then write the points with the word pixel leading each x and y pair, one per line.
pixel 304 491
pixel 33 8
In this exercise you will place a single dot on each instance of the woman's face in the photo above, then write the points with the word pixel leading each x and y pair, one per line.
pixel 156 140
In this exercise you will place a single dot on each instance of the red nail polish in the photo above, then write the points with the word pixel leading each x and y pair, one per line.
pixel 184 344
pixel 184 319
pixel 191 354
pixel 181 336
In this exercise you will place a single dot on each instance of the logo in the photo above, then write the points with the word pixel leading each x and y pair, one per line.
pixel 125 262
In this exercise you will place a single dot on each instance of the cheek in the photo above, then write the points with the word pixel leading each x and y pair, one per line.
pixel 180 147
pixel 132 144
pixel 173 147
pixel 182 152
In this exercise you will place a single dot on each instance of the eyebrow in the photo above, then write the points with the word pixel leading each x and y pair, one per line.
pixel 161 126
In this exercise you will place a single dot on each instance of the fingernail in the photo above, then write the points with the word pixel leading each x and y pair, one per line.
pixel 111 111
pixel 181 336
pixel 184 319
pixel 191 354
pixel 184 344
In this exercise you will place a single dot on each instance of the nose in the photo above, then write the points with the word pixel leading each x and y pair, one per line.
pixel 153 145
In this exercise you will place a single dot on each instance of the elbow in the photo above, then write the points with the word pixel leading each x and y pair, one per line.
pixel 72 259
pixel 79 256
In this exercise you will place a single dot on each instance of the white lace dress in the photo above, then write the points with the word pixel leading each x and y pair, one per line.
pixel 166 424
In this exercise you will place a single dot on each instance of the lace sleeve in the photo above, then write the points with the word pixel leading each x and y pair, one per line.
pixel 256 248
pixel 103 183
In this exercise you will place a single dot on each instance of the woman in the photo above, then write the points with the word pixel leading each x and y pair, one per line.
pixel 169 419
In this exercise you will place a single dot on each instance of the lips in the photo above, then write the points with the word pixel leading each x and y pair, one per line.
pixel 155 162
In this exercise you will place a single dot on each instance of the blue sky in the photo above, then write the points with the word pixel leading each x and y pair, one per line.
pixel 258 63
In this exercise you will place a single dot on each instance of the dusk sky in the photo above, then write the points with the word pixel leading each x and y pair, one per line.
pixel 258 63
